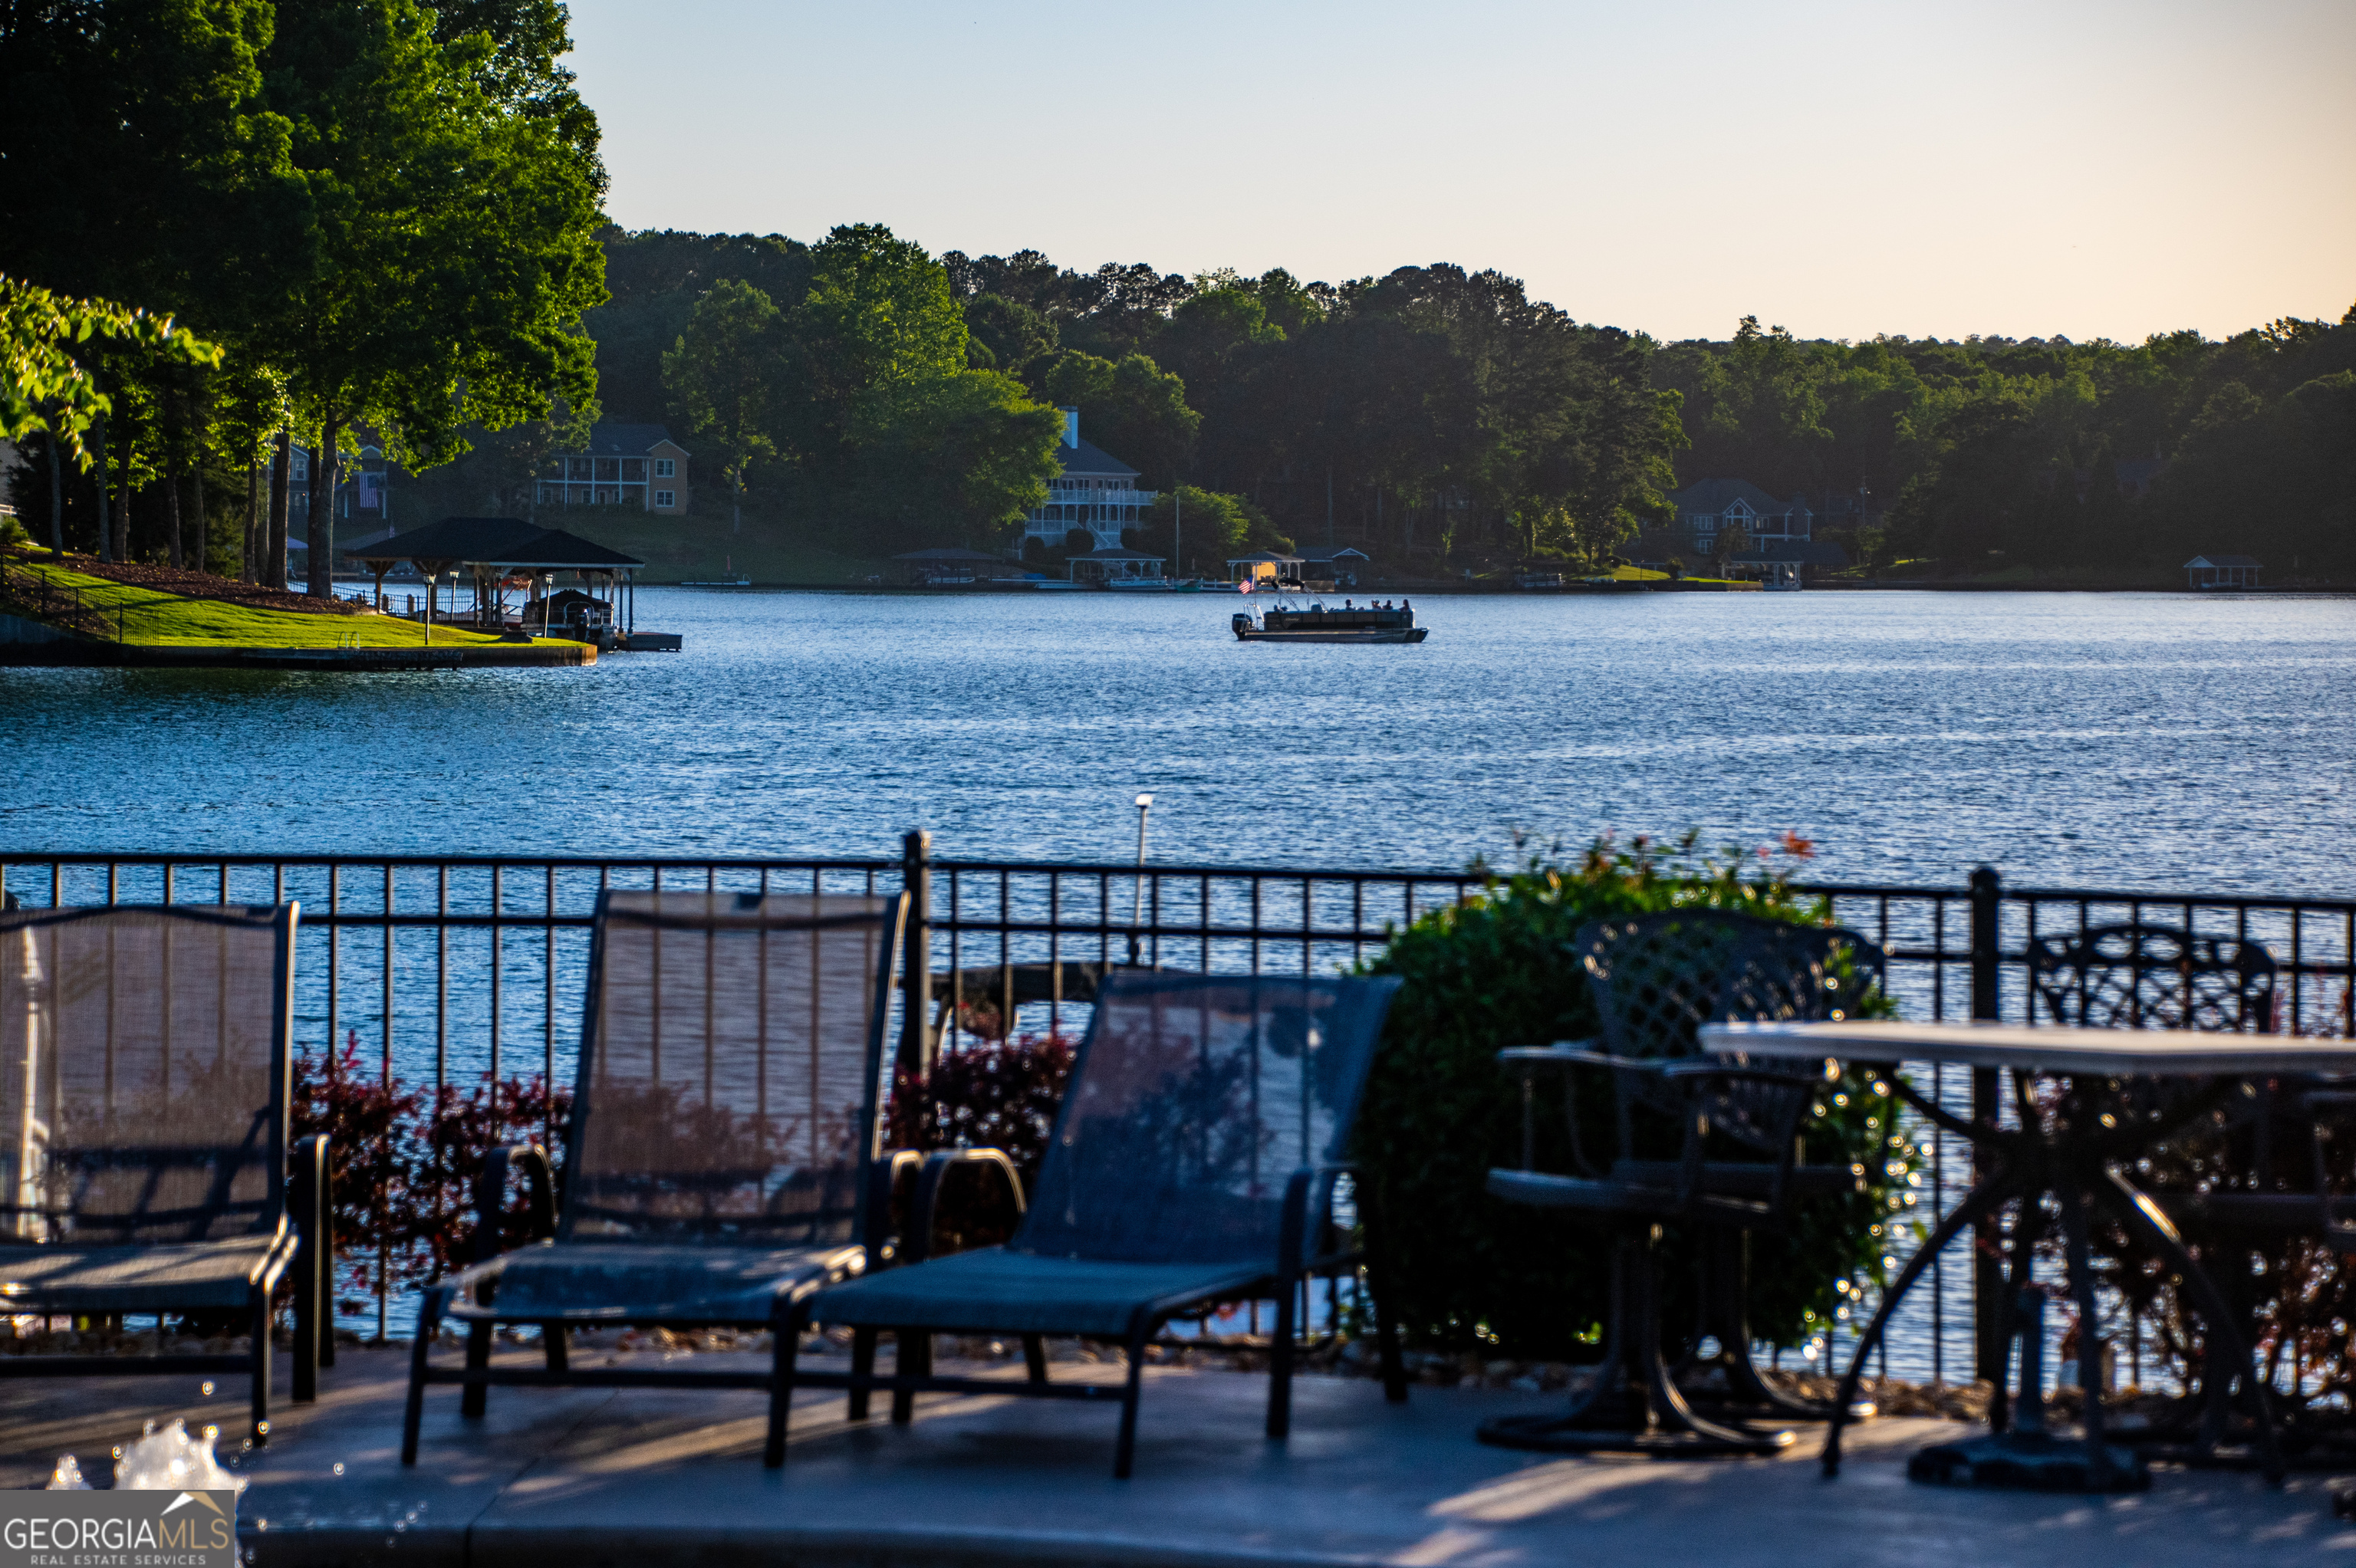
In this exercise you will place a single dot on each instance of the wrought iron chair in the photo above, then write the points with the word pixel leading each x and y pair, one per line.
pixel 1735 1129
pixel 145 1107
pixel 2237 1192
pixel 723 1157
pixel 1195 1161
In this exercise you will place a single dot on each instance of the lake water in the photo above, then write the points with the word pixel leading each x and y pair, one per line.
pixel 2117 742
pixel 2083 740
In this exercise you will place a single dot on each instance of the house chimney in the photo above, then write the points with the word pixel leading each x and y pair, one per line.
pixel 1071 425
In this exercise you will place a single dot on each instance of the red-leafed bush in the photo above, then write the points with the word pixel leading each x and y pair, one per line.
pixel 1000 1094
pixel 405 1160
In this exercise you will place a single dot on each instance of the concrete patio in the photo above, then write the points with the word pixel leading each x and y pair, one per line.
pixel 587 1478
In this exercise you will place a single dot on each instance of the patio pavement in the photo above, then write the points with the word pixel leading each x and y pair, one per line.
pixel 588 1478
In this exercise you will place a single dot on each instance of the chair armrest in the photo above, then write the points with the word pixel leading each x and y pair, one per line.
pixel 883 1183
pixel 1308 1185
pixel 491 1192
pixel 918 1245
pixel 1563 1053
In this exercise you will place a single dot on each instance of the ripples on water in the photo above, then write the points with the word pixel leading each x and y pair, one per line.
pixel 2069 739
pixel 2085 739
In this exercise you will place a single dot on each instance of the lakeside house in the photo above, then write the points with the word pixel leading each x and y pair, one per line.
pixel 624 465
pixel 2222 572
pixel 1777 536
pixel 1092 489
pixel 363 486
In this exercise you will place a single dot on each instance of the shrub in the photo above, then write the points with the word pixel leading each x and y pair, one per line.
pixel 1464 1271
pixel 404 1161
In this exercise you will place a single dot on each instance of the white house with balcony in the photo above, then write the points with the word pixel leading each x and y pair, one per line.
pixel 1094 491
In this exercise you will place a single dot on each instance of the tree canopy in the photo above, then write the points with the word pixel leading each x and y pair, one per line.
pixel 382 211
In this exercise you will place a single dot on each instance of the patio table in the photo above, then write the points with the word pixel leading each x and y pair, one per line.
pixel 2076 1160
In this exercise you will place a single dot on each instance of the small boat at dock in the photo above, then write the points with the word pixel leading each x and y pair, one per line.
pixel 1283 622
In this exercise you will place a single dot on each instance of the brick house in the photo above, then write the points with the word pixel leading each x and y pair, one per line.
pixel 624 465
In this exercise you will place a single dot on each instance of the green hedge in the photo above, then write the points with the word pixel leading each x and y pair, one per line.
pixel 1465 1271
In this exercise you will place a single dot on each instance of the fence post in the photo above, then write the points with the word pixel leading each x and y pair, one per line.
pixel 917 987
pixel 1989 1347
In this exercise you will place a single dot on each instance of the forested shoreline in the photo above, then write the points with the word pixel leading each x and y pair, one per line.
pixel 231 231
pixel 1442 418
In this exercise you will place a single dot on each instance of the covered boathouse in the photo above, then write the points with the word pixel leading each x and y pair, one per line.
pixel 504 555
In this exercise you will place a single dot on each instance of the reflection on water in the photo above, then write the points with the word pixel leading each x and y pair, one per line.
pixel 2067 739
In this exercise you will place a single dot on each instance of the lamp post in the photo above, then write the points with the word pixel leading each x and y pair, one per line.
pixel 1137 884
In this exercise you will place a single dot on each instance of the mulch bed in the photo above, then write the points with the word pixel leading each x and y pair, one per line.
pixel 199 586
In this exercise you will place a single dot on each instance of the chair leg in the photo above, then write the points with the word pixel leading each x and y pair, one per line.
pixel 476 1397
pixel 262 1315
pixel 1035 1357
pixel 1387 1344
pixel 862 1367
pixel 785 1342
pixel 558 1341
pixel 307 1328
pixel 429 1323
pixel 912 1358
pixel 1124 1454
pixel 1279 1362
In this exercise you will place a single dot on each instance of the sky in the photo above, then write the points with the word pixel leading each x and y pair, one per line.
pixel 2083 169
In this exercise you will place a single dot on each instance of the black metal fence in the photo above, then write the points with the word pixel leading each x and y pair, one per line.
pixel 444 968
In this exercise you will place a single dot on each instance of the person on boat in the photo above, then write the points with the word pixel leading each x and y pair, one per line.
pixel 1406 604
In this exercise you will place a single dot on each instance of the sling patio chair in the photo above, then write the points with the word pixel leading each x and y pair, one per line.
pixel 144 1135
pixel 724 1157
pixel 1194 1162
pixel 1700 1140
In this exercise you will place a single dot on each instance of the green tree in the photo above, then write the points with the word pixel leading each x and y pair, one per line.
pixel 456 242
pixel 1007 334
pixel 43 385
pixel 878 328
pixel 1199 531
pixel 972 449
pixel 724 373
pixel 1134 409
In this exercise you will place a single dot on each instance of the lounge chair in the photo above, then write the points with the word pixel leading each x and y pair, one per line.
pixel 144 1133
pixel 1194 1162
pixel 723 1152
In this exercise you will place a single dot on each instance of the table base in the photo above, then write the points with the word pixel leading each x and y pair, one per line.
pixel 1633 1407
pixel 2031 1461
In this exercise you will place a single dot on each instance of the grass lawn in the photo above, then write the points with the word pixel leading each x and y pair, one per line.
pixel 164 619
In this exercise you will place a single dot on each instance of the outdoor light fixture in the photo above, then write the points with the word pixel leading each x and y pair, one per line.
pixel 1137 884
